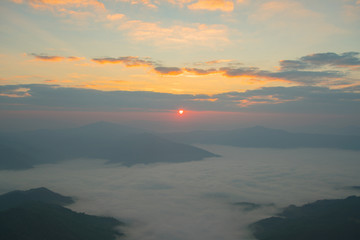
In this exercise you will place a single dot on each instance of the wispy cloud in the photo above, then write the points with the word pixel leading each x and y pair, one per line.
pixel 53 58
pixel 177 35
pixel 148 3
pixel 129 61
pixel 115 17
pixel 351 10
pixel 288 18
pixel 208 5
pixel 79 12
pixel 213 5
pixel 15 92
pixel 60 4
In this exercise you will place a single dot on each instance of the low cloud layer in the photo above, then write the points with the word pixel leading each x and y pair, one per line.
pixel 194 200
pixel 300 99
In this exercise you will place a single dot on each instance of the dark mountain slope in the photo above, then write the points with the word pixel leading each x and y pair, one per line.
pixel 16 198
pixel 35 215
pixel 322 220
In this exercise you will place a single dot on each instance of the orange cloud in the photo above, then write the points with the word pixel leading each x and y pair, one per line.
pixel 128 61
pixel 41 57
pixel 73 58
pixel 115 17
pixel 264 99
pixel 16 93
pixel 205 99
pixel 218 61
pixel 191 34
pixel 147 3
pixel 213 5
pixel 53 4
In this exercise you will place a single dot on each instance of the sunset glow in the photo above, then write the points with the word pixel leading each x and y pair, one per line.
pixel 208 55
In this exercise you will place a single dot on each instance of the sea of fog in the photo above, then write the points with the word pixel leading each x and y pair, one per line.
pixel 195 200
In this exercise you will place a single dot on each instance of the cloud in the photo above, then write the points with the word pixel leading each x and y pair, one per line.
pixel 148 3
pixel 347 59
pixel 199 71
pixel 264 99
pixel 309 77
pixel 307 70
pixel 194 200
pixel 317 60
pixel 271 10
pixel 15 92
pixel 299 99
pixel 129 61
pixel 43 57
pixel 293 65
pixel 115 17
pixel 289 18
pixel 79 12
pixel 213 5
pixel 219 61
pixel 177 35
pixel 208 5
pixel 351 11
pixel 168 70
pixel 73 58
pixel 60 4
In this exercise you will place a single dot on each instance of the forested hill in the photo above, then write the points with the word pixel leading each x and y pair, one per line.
pixel 37 214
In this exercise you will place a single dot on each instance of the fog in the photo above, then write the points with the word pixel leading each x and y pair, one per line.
pixel 195 200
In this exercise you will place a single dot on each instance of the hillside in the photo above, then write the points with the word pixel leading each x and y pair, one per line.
pixel 36 214
pixel 321 220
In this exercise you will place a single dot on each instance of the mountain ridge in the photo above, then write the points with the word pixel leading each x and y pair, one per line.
pixel 113 142
pixel 261 137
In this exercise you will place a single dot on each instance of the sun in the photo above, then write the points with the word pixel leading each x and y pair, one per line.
pixel 181 111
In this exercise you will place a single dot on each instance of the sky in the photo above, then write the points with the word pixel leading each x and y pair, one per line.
pixel 277 63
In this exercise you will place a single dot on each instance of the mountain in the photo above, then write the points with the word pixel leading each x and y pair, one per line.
pixel 15 198
pixel 36 214
pixel 261 137
pixel 116 143
pixel 321 220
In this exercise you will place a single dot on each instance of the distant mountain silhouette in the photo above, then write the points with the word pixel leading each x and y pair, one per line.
pixel 102 140
pixel 261 137
pixel 37 214
pixel 321 220
pixel 12 158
